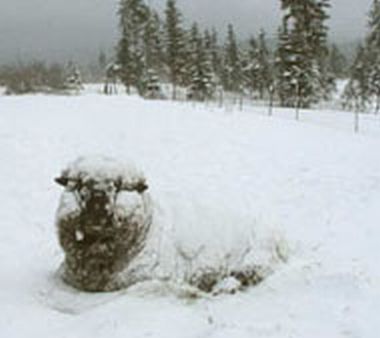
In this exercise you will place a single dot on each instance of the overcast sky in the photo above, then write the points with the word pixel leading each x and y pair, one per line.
pixel 62 29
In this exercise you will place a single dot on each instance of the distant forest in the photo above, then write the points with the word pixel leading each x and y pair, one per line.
pixel 299 69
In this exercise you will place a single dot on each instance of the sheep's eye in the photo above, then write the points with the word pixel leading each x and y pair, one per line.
pixel 62 181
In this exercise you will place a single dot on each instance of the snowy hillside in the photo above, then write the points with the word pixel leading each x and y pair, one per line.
pixel 314 184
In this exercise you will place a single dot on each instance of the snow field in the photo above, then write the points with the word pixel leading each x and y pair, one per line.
pixel 314 184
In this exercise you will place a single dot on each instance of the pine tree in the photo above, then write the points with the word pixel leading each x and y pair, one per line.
pixel 337 62
pixel 302 52
pixel 134 15
pixel 356 95
pixel 373 53
pixel 153 57
pixel 216 57
pixel 363 88
pixel 126 62
pixel 251 66
pixel 201 78
pixel 153 43
pixel 264 71
pixel 102 60
pixel 210 60
pixel 232 70
pixel 286 71
pixel 175 45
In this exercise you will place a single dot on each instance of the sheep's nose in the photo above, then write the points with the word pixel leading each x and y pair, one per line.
pixel 98 192
pixel 98 200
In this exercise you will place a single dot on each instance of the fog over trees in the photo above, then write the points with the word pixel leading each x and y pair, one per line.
pixel 62 30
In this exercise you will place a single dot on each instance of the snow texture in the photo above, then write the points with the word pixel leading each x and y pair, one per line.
pixel 314 183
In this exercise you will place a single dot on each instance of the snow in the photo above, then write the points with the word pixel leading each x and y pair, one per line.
pixel 103 168
pixel 312 187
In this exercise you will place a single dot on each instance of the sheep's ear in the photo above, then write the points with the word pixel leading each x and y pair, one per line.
pixel 62 181
pixel 141 187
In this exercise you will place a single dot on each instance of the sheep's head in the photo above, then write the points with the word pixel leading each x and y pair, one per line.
pixel 95 182
pixel 103 220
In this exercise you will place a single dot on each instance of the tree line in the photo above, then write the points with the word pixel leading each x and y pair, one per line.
pixel 155 49
pixel 300 71
pixel 38 76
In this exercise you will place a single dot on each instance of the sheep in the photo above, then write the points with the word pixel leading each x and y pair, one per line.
pixel 114 236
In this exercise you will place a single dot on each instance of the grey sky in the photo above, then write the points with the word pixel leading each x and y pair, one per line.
pixel 62 29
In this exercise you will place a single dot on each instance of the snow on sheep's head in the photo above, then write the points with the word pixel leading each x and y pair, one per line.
pixel 96 181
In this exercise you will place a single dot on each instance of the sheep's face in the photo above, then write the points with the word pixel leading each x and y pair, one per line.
pixel 103 220
pixel 98 195
pixel 92 194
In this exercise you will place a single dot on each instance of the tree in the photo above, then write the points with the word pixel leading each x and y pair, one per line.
pixel 264 71
pixel 302 52
pixel 356 95
pixel 216 57
pixel 134 15
pixel 153 43
pixel 285 69
pixel 373 53
pixel 364 85
pixel 125 60
pixel 251 65
pixel 33 77
pixel 337 62
pixel 174 45
pixel 201 77
pixel 102 60
pixel 232 70
pixel 150 86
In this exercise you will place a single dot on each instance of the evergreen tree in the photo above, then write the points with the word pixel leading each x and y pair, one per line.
pixel 286 71
pixel 264 71
pixel 232 70
pixel 337 62
pixel 175 45
pixel 102 60
pixel 153 57
pixel 216 57
pixel 201 79
pixel 251 66
pixel 356 95
pixel 373 54
pixel 134 15
pixel 363 88
pixel 126 62
pixel 302 52
pixel 153 43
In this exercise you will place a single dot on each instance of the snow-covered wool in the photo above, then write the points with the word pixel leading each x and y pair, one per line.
pixel 113 235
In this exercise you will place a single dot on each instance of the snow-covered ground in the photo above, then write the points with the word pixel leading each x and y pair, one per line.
pixel 314 183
